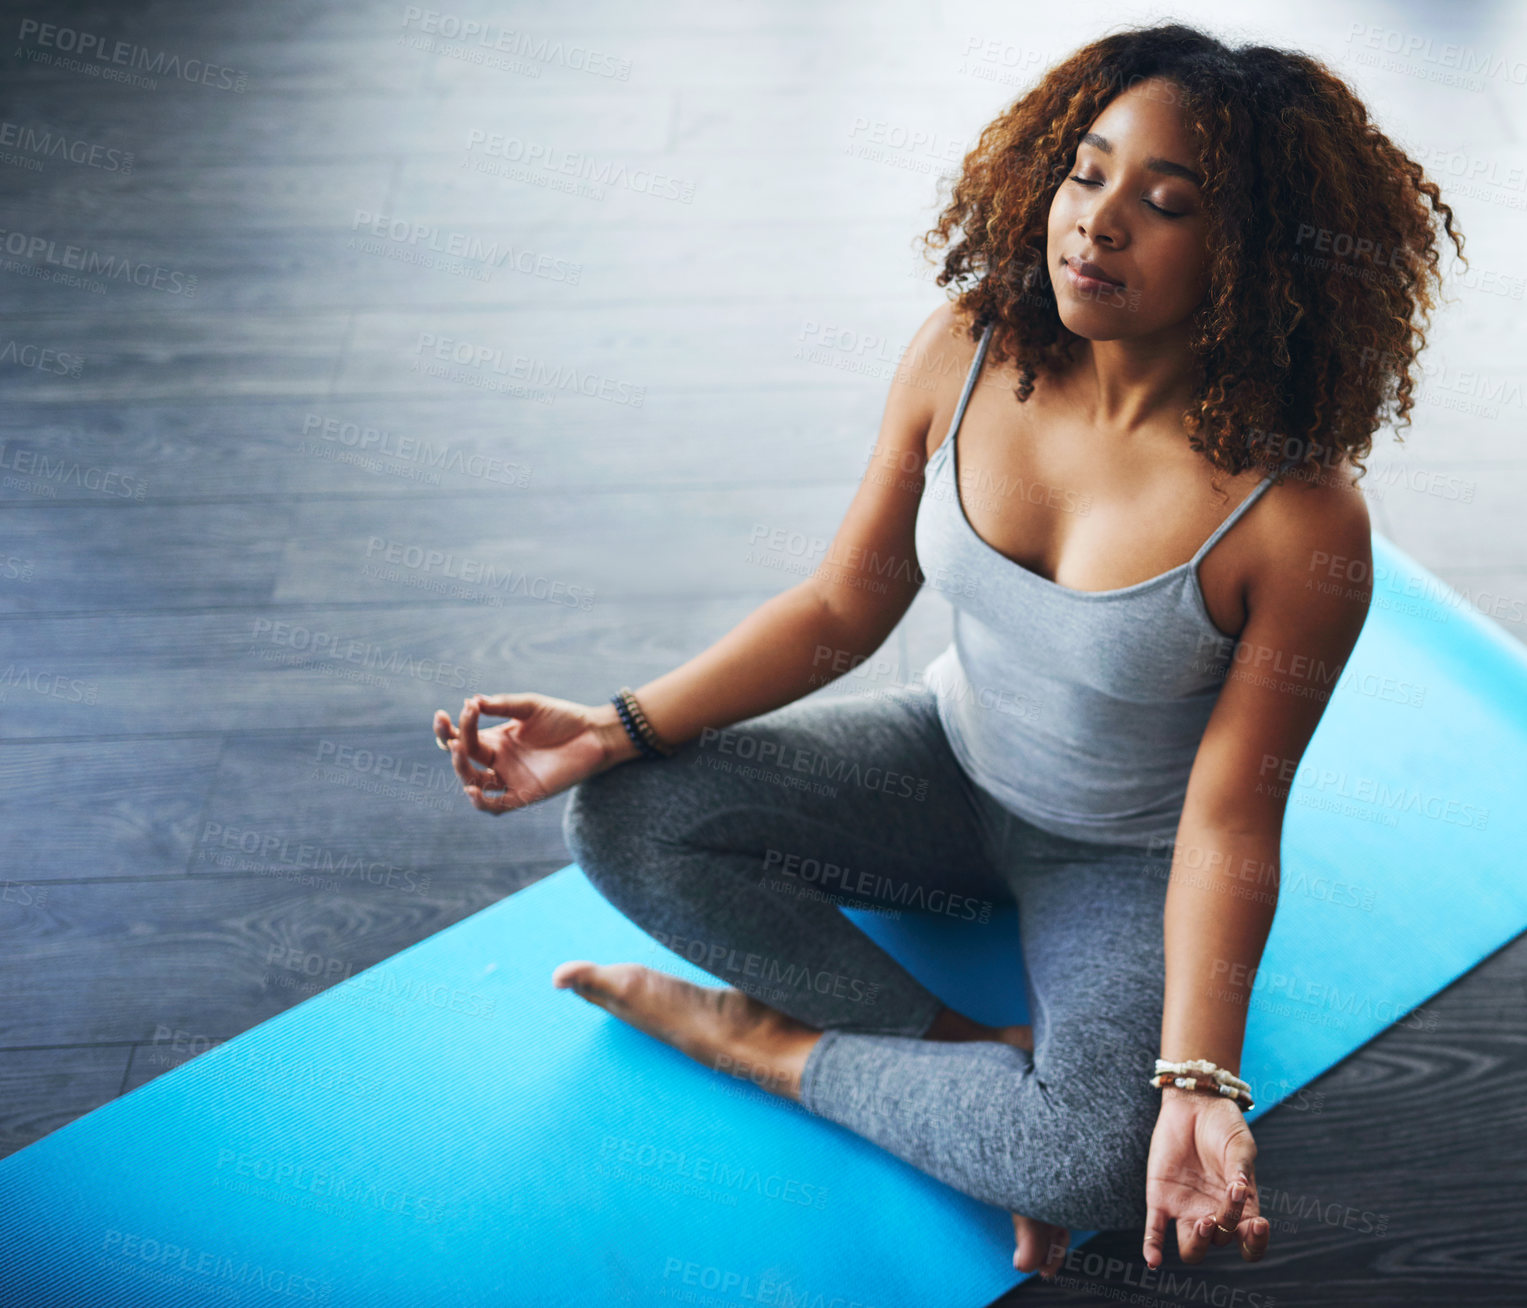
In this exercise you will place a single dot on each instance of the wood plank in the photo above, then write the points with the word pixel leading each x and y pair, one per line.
pixel 201 449
pixel 49 1087
pixel 368 257
pixel 213 955
pixel 293 668
pixel 97 809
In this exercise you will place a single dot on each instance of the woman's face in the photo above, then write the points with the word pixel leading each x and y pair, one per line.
pixel 1130 206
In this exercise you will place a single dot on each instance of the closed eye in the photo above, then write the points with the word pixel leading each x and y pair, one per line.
pixel 1092 181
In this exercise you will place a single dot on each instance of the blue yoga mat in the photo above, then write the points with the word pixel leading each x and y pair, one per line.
pixel 448 1129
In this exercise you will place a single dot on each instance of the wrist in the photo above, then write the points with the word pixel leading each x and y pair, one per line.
pixel 1175 1100
pixel 614 740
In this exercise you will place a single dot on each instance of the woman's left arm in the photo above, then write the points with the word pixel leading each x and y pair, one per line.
pixel 1306 601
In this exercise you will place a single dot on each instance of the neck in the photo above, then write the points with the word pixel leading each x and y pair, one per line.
pixel 1127 385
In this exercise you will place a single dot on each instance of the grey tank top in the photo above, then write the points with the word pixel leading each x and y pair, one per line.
pixel 1080 711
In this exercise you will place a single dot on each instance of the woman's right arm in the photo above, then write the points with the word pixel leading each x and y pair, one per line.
pixel 800 640
pixel 819 629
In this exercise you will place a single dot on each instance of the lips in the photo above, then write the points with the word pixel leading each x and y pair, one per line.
pixel 1086 269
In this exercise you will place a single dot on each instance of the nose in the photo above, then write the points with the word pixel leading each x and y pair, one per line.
pixel 1103 224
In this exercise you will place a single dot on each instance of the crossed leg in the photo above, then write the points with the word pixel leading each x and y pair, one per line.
pixel 717 853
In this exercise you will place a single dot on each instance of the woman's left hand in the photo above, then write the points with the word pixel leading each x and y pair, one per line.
pixel 1201 1174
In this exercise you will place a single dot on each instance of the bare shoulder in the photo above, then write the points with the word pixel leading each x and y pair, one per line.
pixel 942 345
pixel 1313 531
pixel 935 364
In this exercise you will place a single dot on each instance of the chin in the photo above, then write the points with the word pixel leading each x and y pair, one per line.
pixel 1094 326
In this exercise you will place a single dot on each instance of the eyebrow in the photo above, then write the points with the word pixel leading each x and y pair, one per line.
pixel 1155 165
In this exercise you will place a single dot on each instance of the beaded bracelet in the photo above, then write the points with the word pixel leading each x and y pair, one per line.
pixel 1220 1075
pixel 637 727
pixel 1199 1072
pixel 1242 1099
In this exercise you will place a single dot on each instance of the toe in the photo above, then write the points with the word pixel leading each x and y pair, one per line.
pixel 574 972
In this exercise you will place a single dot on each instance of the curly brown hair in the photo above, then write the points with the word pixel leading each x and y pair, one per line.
pixel 1322 248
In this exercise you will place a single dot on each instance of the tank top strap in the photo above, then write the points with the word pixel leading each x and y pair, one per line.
pixel 1229 522
pixel 970 384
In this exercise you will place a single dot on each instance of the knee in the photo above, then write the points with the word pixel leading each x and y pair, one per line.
pixel 609 814
pixel 593 822
pixel 1096 1149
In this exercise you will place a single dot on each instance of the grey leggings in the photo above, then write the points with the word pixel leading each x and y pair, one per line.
pixel 696 849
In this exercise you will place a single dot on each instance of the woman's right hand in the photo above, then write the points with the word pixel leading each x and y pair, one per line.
pixel 546 746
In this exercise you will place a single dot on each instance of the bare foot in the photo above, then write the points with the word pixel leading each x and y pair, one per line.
pixel 1041 1247
pixel 723 1028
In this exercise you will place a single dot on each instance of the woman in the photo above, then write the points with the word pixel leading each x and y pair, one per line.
pixel 1187 283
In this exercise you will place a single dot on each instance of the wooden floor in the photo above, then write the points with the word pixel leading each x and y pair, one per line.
pixel 249 490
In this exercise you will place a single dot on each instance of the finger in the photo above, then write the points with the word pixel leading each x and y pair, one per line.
pixel 483 778
pixel 445 730
pixel 1030 1251
pixel 469 738
pixel 1193 1238
pixel 1229 1219
pixel 1255 1232
pixel 494 804
pixel 1155 1237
